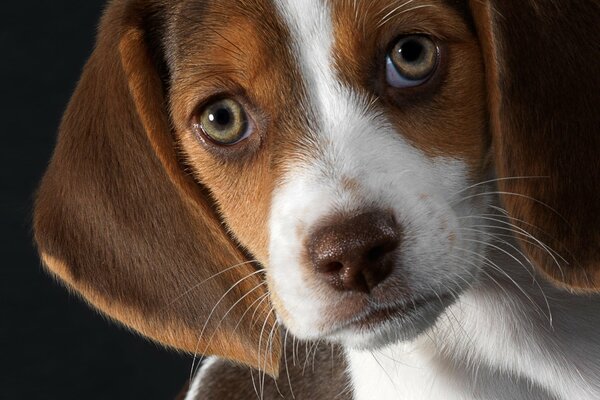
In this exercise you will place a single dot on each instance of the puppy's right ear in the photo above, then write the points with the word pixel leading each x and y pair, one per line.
pixel 544 91
pixel 118 220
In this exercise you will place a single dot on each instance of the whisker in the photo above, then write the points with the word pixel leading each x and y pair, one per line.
pixel 530 272
pixel 516 195
pixel 189 290
pixel 390 5
pixel 211 313
pixel 461 327
pixel 382 23
pixel 228 311
pixel 384 19
pixel 306 353
pixel 510 278
pixel 525 236
pixel 259 300
pixel 315 354
pixel 269 347
pixel 483 271
pixel 254 383
pixel 521 231
pixel 510 178
pixel 294 350
pixel 254 313
pixel 261 381
pixel 385 372
pixel 503 219
pixel 395 361
pixel 285 359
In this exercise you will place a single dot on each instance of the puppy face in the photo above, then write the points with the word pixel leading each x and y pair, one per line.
pixel 344 146
pixel 339 141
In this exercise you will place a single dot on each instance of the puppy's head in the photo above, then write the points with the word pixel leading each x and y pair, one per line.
pixel 335 155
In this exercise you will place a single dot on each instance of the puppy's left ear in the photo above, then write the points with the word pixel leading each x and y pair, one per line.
pixel 543 70
pixel 119 220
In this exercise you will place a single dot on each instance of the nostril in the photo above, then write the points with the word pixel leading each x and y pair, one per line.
pixel 376 253
pixel 355 253
pixel 379 251
pixel 332 267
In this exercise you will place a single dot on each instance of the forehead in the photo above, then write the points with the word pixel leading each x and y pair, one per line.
pixel 295 59
pixel 276 25
pixel 233 41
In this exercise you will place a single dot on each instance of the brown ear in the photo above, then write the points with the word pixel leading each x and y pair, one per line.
pixel 119 222
pixel 544 87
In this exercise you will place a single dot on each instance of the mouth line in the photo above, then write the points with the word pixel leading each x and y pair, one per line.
pixel 402 311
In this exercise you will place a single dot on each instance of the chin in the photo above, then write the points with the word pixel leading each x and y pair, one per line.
pixel 401 325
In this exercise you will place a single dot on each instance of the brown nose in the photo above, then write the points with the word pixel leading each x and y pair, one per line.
pixel 357 253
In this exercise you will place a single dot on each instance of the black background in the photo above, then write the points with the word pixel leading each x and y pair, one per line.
pixel 52 346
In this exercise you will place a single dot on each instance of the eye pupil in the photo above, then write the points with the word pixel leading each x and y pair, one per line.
pixel 221 117
pixel 411 51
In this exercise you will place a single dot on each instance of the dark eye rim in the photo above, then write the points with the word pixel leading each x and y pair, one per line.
pixel 201 134
pixel 414 96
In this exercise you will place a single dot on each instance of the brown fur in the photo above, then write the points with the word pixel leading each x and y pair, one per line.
pixel 445 116
pixel 544 91
pixel 119 219
pixel 137 215
pixel 240 50
pixel 309 371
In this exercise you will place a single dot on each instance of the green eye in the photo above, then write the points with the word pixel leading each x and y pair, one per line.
pixel 224 122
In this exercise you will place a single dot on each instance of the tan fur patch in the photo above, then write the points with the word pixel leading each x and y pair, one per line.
pixel 254 66
pixel 445 117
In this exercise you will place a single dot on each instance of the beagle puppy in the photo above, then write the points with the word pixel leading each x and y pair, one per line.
pixel 386 199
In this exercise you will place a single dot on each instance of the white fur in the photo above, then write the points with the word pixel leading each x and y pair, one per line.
pixel 509 335
pixel 497 341
pixel 505 339
pixel 198 380
pixel 355 142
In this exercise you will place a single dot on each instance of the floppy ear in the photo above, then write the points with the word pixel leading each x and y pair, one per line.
pixel 544 88
pixel 119 222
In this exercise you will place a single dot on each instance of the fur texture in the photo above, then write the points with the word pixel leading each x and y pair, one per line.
pixel 489 170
